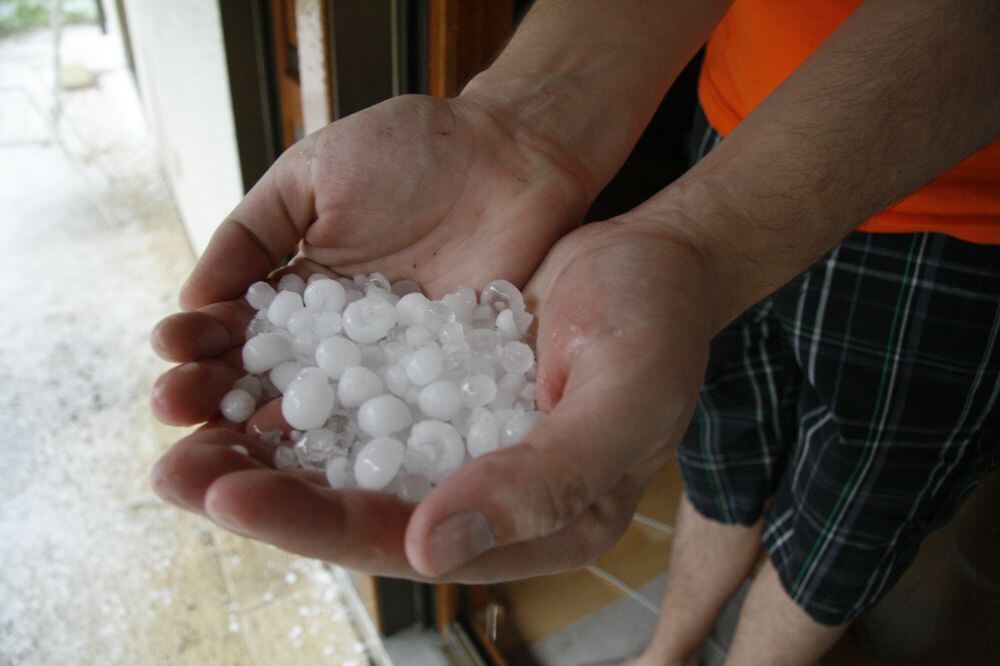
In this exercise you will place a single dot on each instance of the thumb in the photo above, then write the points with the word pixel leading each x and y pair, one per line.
pixel 573 458
pixel 255 238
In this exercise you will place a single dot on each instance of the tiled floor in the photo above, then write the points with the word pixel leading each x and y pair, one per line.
pixel 93 567
pixel 586 616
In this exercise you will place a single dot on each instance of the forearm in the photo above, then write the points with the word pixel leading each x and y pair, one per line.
pixel 587 75
pixel 900 93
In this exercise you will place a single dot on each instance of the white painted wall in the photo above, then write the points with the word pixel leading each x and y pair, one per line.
pixel 180 62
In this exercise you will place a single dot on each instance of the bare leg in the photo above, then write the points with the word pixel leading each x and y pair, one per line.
pixel 708 562
pixel 774 630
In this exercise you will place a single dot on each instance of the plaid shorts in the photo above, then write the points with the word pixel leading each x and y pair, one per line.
pixel 852 410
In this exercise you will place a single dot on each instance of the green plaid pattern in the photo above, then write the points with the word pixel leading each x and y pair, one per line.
pixel 863 398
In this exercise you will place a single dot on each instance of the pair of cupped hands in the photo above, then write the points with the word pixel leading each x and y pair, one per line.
pixel 444 193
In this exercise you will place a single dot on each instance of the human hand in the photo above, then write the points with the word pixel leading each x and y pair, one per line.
pixel 440 191
pixel 621 358
pixel 444 192
pixel 624 327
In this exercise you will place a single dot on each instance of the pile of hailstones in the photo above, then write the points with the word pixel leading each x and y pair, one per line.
pixel 385 389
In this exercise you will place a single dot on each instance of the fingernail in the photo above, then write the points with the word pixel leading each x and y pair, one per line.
pixel 458 539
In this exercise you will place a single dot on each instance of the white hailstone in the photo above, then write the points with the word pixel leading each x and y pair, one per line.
pixel 259 324
pixel 411 487
pixel 365 355
pixel 313 371
pixel 375 280
pixel 377 463
pixel 504 400
pixel 239 448
pixel 357 385
pixel 339 473
pixel 512 383
pixel 483 436
pixel 517 427
pixel 327 322
pixel 270 437
pixel 462 302
pixel 284 458
pixel 434 449
pixel 384 415
pixel 440 399
pixel 238 405
pixel 284 373
pixel 325 296
pixel 368 320
pixel 307 403
pixel 523 321
pixel 404 287
pixel 304 345
pixel 344 427
pixel 314 447
pixel 250 384
pixel 292 282
pixel 396 380
pixel 501 294
pixel 411 309
pixel 424 365
pixel 506 326
pixel 455 359
pixel 316 277
pixel 335 354
pixel 484 343
pixel 417 336
pixel 508 389
pixel 438 314
pixel 478 390
pixel 260 295
pixel 453 331
pixel 373 357
pixel 263 352
pixel 461 420
pixel 483 313
pixel 284 305
pixel 481 366
pixel 396 352
pixel 301 321
pixel 374 292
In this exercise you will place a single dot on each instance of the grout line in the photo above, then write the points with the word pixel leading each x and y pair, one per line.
pixel 653 523
pixel 227 581
pixel 625 588
pixel 370 637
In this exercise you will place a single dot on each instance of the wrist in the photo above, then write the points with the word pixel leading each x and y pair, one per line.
pixel 692 265
pixel 540 113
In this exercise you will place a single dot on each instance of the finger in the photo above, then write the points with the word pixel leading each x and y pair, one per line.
pixel 203 333
pixel 268 418
pixel 359 529
pixel 577 453
pixel 364 530
pixel 191 392
pixel 185 472
pixel 260 232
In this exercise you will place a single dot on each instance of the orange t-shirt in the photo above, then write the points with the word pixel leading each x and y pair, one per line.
pixel 760 42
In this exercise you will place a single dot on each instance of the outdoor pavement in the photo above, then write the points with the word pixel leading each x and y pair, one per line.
pixel 94 569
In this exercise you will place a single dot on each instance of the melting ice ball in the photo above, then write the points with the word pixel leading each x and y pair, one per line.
pixel 386 389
